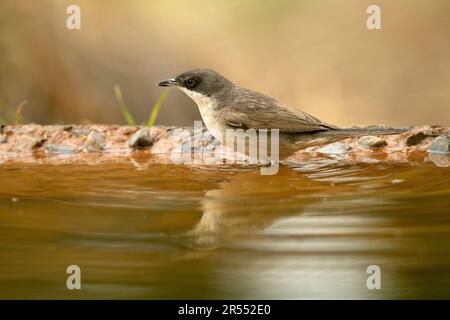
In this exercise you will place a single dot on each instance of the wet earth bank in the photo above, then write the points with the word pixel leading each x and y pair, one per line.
pixel 418 144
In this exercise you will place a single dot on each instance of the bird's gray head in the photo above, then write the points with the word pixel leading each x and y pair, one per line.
pixel 205 82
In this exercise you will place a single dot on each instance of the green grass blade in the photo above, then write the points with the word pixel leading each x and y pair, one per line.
pixel 18 116
pixel 123 107
pixel 156 107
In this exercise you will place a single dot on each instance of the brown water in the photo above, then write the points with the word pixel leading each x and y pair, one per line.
pixel 164 231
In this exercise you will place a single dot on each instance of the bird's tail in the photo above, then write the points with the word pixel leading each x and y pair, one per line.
pixel 359 132
pixel 306 140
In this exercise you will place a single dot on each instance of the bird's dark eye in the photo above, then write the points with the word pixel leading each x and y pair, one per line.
pixel 190 83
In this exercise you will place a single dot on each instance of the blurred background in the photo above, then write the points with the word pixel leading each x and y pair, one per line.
pixel 317 56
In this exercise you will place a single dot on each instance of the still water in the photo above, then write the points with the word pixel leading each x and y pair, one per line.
pixel 160 231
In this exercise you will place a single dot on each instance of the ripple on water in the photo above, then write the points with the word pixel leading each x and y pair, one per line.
pixel 165 231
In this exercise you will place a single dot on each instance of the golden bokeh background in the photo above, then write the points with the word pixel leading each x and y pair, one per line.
pixel 317 55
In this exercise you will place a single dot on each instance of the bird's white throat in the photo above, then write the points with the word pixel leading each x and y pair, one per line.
pixel 207 107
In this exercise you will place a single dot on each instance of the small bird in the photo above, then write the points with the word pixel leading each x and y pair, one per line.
pixel 224 105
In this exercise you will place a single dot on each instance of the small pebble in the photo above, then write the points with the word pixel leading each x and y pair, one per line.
pixel 396 181
pixel 60 149
pixel 415 138
pixel 95 142
pixel 142 139
pixel 335 148
pixel 28 142
pixel 440 159
pixel 440 144
pixel 372 142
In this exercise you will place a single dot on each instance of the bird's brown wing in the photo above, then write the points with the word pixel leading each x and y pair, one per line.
pixel 256 111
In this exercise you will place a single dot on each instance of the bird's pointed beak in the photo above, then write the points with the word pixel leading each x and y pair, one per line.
pixel 168 83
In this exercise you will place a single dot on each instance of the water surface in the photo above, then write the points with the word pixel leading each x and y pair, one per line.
pixel 146 231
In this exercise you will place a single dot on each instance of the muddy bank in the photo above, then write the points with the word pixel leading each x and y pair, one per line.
pixel 67 143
